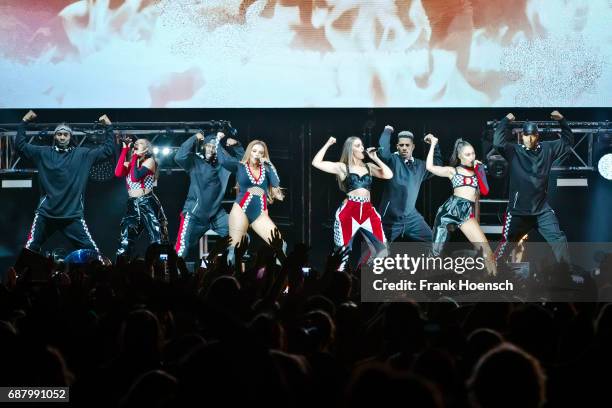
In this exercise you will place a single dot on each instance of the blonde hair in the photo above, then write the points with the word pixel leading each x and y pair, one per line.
pixel 150 153
pixel 274 193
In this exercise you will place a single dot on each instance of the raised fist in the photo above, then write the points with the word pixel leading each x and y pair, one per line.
pixel 556 115
pixel 104 119
pixel 430 139
pixel 29 116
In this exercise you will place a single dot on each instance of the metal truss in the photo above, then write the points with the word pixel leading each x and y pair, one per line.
pixel 578 157
pixel 171 134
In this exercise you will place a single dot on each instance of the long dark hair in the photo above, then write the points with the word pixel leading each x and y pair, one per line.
pixel 459 145
pixel 346 158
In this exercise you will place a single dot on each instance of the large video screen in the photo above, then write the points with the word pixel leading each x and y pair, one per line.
pixel 305 53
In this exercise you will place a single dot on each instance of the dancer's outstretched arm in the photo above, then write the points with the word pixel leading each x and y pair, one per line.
pixel 567 136
pixel 226 160
pixel 327 166
pixel 26 150
pixel 122 167
pixel 107 149
pixel 440 171
pixel 184 154
pixel 385 144
pixel 499 136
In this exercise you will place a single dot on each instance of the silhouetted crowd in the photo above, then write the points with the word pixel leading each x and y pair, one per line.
pixel 151 333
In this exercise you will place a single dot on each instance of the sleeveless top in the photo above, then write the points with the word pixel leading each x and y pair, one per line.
pixel 461 180
pixel 354 181
pixel 146 182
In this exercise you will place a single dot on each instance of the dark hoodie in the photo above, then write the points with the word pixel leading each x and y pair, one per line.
pixel 208 181
pixel 530 169
pixel 63 175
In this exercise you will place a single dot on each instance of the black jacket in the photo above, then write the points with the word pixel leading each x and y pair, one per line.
pixel 400 193
pixel 529 169
pixel 63 175
pixel 207 181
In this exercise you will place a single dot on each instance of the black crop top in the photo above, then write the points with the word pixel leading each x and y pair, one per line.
pixel 354 181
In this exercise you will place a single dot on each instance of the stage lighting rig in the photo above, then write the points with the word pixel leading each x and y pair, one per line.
pixel 604 147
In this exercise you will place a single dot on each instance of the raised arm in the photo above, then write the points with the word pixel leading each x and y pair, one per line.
pixel 107 149
pixel 184 154
pixel 379 168
pixel 567 136
pixel 122 167
pixel 440 171
pixel 226 160
pixel 234 148
pixel 499 135
pixel 326 166
pixel 437 161
pixel 385 144
pixel 26 150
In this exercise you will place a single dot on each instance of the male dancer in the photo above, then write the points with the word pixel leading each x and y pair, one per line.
pixel 397 207
pixel 208 180
pixel 63 170
pixel 529 168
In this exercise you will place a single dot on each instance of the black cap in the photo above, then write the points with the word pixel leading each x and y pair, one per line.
pixel 530 128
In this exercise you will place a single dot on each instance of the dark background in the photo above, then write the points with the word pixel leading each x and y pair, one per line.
pixel 294 136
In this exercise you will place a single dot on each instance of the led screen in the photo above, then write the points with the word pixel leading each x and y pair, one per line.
pixel 311 53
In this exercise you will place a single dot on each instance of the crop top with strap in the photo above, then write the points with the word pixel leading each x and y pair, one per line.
pixel 354 181
pixel 478 180
pixel 132 182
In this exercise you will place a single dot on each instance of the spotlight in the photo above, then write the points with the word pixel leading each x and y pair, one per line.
pixel 166 151
pixel 604 152
pixel 605 166
pixel 156 150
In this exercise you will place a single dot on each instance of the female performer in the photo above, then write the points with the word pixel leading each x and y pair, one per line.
pixel 356 212
pixel 259 185
pixel 143 207
pixel 468 180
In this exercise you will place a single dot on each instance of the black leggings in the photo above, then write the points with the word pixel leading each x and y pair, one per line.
pixel 143 212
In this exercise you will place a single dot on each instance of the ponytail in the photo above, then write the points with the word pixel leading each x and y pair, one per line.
pixel 459 145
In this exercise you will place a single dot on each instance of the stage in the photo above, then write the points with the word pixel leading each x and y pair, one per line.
pixel 577 192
